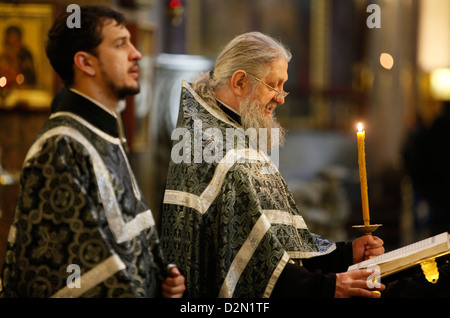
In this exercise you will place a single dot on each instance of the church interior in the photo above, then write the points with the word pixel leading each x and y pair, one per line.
pixel 384 63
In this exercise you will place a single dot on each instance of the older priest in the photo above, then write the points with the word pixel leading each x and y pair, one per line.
pixel 229 220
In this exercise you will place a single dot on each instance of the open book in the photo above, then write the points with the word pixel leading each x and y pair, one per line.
pixel 409 255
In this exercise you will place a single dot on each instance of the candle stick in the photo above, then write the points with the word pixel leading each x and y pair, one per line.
pixel 363 175
pixel 367 228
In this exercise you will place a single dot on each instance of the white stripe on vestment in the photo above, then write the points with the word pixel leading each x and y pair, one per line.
pixel 301 255
pixel 92 278
pixel 12 234
pixel 203 202
pixel 121 230
pixel 211 110
pixel 243 256
pixel 286 218
pixel 183 198
pixel 275 275
pixel 108 138
pixel 87 124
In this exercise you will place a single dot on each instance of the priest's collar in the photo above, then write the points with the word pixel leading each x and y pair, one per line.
pixel 70 100
pixel 94 101
pixel 229 111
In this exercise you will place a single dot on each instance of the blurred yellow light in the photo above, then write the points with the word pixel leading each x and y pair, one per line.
pixel 386 60
pixel 20 79
pixel 440 83
pixel 3 81
pixel 430 270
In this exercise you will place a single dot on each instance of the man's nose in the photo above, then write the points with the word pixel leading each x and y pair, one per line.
pixel 279 99
pixel 135 54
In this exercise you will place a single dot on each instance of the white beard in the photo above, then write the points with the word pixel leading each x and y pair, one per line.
pixel 252 116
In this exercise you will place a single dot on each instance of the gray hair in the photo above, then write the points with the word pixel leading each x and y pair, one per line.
pixel 252 52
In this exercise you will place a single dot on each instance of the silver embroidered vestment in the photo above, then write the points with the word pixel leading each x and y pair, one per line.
pixel 229 220
pixel 82 227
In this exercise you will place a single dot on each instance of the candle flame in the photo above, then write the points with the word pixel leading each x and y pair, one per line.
pixel 360 127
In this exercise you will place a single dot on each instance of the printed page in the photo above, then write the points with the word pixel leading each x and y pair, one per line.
pixel 405 251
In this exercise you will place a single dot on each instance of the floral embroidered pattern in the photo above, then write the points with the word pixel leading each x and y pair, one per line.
pixel 61 219
pixel 231 241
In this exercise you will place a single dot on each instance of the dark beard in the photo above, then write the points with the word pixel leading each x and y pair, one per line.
pixel 252 116
pixel 124 92
pixel 120 92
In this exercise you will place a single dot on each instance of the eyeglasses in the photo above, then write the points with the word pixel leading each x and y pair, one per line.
pixel 279 93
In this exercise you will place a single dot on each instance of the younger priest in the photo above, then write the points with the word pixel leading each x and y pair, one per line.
pixel 82 227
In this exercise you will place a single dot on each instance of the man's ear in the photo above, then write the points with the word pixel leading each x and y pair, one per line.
pixel 85 62
pixel 239 83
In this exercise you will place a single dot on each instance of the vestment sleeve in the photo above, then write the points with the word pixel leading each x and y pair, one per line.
pixel 297 282
pixel 336 262
pixel 316 278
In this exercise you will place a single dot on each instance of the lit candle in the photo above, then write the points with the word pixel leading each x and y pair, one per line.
pixel 362 174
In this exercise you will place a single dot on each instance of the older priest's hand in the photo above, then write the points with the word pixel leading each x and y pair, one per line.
pixel 358 283
pixel 366 247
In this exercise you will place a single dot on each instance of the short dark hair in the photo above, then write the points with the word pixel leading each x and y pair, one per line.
pixel 64 42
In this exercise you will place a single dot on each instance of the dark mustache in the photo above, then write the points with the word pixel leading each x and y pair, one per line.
pixel 132 67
